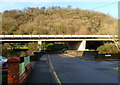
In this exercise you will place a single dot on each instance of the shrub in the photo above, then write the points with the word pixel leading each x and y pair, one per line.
pixel 107 48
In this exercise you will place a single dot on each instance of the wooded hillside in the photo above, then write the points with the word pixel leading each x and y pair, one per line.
pixel 57 20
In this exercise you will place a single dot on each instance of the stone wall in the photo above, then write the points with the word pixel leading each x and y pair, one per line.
pixel 87 54
pixel 109 56
pixel 90 54
pixel 93 54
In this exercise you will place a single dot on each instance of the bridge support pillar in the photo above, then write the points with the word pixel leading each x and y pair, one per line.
pixel 80 46
pixel 39 44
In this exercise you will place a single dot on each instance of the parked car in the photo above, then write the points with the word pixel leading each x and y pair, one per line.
pixel 3 62
pixel 64 50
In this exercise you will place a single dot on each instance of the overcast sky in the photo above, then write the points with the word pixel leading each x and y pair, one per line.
pixel 105 6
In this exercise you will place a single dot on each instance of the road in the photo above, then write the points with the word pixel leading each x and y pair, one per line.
pixel 75 70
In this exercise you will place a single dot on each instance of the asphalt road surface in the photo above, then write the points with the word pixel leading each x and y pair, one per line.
pixel 75 70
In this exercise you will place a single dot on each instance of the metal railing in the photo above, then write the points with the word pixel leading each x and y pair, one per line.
pixel 57 36
pixel 23 64
pixel 21 68
pixel 26 60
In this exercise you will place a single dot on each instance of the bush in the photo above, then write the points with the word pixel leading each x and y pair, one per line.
pixel 107 48
pixel 7 51
pixel 18 49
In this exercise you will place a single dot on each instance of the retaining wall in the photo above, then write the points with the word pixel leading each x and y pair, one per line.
pixel 88 54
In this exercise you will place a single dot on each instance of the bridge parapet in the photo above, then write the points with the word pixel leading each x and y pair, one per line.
pixel 58 36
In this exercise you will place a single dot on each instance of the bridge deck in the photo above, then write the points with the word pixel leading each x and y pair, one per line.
pixel 29 38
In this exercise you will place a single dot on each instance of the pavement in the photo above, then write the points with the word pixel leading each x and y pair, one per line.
pixel 40 73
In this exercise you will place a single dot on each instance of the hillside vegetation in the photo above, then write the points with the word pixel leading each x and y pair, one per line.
pixel 57 20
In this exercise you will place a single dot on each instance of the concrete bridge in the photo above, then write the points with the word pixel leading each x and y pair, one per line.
pixel 75 42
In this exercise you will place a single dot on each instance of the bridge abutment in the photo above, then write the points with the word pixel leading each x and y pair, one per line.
pixel 80 46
